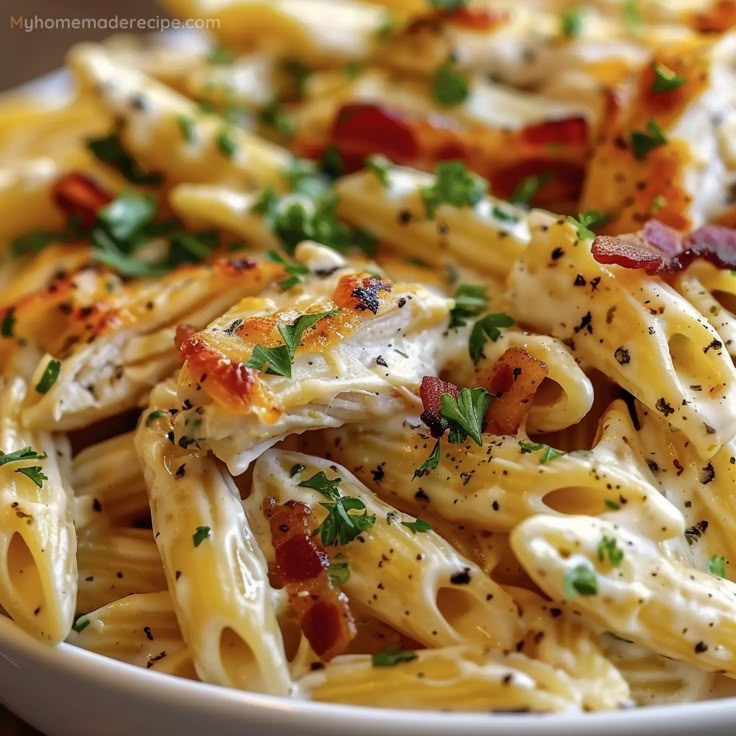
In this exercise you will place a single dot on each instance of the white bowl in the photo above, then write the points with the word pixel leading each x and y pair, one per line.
pixel 67 691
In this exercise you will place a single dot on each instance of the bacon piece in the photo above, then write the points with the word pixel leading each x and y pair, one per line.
pixel 513 380
pixel 571 131
pixel 361 129
pixel 430 391
pixel 301 564
pixel 475 19
pixel 80 196
pixel 659 249
pixel 717 19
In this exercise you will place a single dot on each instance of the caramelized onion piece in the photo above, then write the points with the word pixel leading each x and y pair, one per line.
pixel 513 380
pixel 301 566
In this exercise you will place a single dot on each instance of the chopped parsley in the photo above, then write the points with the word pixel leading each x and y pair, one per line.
pixel 454 185
pixel 186 126
pixel 339 570
pixel 49 376
pixel 580 580
pixel 465 414
pixel 200 534
pixel 340 526
pixel 80 624
pixel 571 22
pixel 608 547
pixel 430 463
pixel 233 327
pixel 381 167
pixel 665 79
pixel 278 360
pixel 470 301
pixel 391 656
pixel 156 414
pixel 221 55
pixel 320 482
pixel 486 328
pixel 35 473
pixel 8 324
pixel 127 215
pixel 110 151
pixel 659 202
pixel 295 270
pixel 352 69
pixel 504 215
pixel 417 526
pixel 299 217
pixel 299 75
pixel 612 505
pixel 528 187
pixel 548 453
pixel 226 143
pixel 275 117
pixel 717 566
pixel 632 16
pixel 584 222
pixel 35 242
pixel 331 163
pixel 448 86
pixel 642 142
pixel 304 177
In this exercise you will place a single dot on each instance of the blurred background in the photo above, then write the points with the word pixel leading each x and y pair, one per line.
pixel 25 55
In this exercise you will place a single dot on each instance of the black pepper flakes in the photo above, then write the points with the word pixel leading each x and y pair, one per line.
pixel 579 280
pixel 664 407
pixel 622 355
pixel 707 474
pixel 557 253
pixel 461 578
pixel 585 324
pixel 148 633
pixel 701 647
pixel 181 471
pixel 714 344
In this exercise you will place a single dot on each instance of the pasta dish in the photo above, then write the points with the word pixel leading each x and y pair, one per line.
pixel 381 353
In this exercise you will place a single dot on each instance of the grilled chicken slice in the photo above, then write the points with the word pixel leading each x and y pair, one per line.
pixel 344 346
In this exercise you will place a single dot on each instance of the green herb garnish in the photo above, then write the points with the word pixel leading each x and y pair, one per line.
pixel 486 328
pixel 643 142
pixel 528 187
pixel 49 376
pixel 665 79
pixel 465 414
pixel 430 463
pixel 449 87
pixel 381 167
pixel 580 580
pixel 35 473
pixel 109 150
pixel 417 526
pixel 339 570
pixel 608 547
pixel 454 185
pixel 391 656
pixel 200 534
pixel 548 453
pixel 717 566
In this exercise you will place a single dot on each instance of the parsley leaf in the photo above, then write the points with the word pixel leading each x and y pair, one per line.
pixel 580 580
pixel 612 505
pixel 34 242
pixel 548 454
pixel 466 413
pixel 35 473
pixel 528 187
pixel 571 22
pixel 80 624
pixel 381 167
pixel 324 485
pixel 304 177
pixel 109 150
pixel 154 415
pixel 330 162
pixel 341 527
pixel 186 126
pixel 504 215
pixel 295 270
pixel 200 534
pixel 220 55
pixel 632 16
pixel 449 87
pixel 49 376
pixel 391 656
pixel 470 301
pixel 585 220
pixel 665 79
pixel 644 142
pixel 454 185
pixel 339 571
pixel 27 453
pixel 127 215
pixel 279 359
pixel 226 143
pixel 486 328
pixel 430 463
pixel 299 75
pixel 418 525
pixel 8 323
pixel 717 566
pixel 274 116
pixel 609 547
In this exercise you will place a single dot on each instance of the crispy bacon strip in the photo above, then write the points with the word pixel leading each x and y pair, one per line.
pixel 301 565
pixel 660 249
pixel 429 392
pixel 80 196
pixel 513 380
pixel 480 20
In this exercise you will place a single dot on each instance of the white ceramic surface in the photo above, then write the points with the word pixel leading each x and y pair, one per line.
pixel 66 691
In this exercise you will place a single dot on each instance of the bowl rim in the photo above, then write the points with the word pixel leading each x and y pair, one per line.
pixel 164 689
